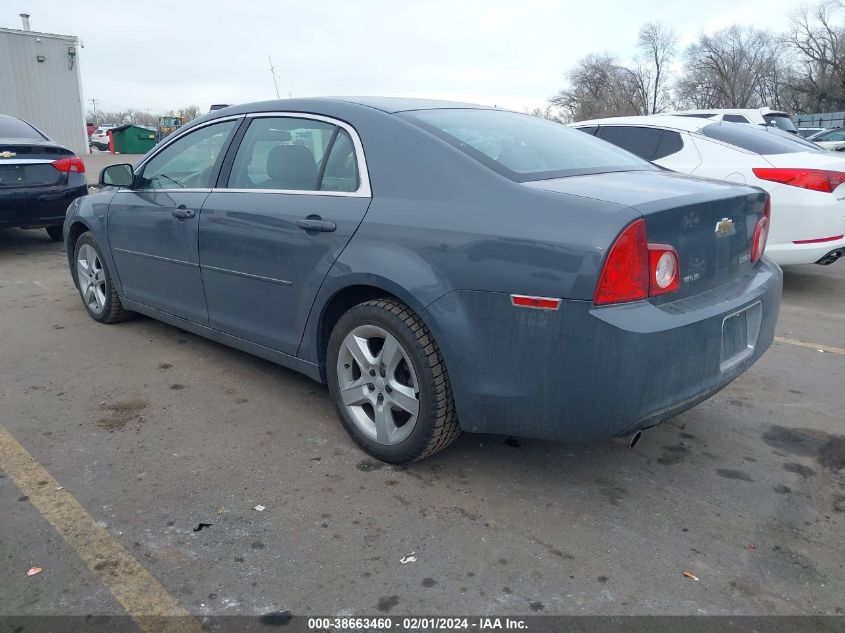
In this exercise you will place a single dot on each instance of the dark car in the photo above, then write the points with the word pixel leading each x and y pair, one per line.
pixel 443 267
pixel 38 178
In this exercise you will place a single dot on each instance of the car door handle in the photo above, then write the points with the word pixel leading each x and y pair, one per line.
pixel 183 213
pixel 316 225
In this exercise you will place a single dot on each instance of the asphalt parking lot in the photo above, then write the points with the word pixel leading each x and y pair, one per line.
pixel 118 442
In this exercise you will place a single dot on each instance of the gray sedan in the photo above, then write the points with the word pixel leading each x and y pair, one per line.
pixel 442 266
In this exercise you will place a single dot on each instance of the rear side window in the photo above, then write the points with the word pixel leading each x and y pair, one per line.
pixel 758 140
pixel 523 147
pixel 281 153
pixel 646 142
pixel 735 118
pixel 295 154
pixel 670 143
pixel 341 169
pixel 15 128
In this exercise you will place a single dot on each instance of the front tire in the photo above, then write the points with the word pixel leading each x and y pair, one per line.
pixel 389 382
pixel 55 232
pixel 95 283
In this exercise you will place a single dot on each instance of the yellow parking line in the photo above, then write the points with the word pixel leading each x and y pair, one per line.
pixel 129 582
pixel 815 346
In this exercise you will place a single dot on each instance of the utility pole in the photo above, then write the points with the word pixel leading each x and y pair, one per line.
pixel 94 111
pixel 273 72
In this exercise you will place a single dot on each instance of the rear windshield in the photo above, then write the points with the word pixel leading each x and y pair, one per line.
pixel 523 147
pixel 15 128
pixel 782 121
pixel 759 140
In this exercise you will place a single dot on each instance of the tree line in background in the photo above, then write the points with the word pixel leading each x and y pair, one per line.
pixel 141 117
pixel 799 71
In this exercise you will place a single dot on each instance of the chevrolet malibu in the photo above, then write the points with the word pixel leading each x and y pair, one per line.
pixel 442 266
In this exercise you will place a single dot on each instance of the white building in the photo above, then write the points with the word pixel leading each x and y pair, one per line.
pixel 40 83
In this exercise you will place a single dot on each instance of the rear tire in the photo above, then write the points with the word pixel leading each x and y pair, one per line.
pixel 56 233
pixel 389 382
pixel 95 283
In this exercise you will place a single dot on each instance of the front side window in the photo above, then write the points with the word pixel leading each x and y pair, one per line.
pixel 294 154
pixel 642 141
pixel 188 163
pixel 648 143
pixel 523 147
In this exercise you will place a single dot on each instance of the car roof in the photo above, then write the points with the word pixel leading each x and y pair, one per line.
pixel 404 104
pixel 389 105
pixel 730 111
pixel 688 124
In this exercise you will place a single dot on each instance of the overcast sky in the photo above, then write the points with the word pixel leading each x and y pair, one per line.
pixel 510 53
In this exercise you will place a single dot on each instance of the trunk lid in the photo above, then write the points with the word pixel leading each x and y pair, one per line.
pixel 29 164
pixel 709 223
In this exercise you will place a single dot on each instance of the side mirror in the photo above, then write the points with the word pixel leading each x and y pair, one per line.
pixel 117 176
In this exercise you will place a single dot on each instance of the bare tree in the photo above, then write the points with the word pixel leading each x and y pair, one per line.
pixel 820 46
pixel 730 69
pixel 129 115
pixel 802 70
pixel 598 87
pixel 189 113
pixel 548 113
pixel 658 46
pixel 636 86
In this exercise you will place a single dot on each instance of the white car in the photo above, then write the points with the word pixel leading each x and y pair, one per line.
pixel 804 181
pixel 829 139
pixel 100 137
pixel 807 132
pixel 756 116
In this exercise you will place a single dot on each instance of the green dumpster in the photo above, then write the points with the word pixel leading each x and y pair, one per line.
pixel 133 139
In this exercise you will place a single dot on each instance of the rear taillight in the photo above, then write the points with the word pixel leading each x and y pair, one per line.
pixel 761 233
pixel 815 179
pixel 635 269
pixel 625 273
pixel 70 163
pixel 664 269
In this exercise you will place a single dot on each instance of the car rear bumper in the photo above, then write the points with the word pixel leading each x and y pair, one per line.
pixel 584 373
pixel 796 254
pixel 30 207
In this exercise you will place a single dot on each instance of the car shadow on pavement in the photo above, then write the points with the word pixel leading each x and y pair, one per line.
pixel 18 242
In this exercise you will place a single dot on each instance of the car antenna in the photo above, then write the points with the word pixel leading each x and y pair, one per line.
pixel 273 72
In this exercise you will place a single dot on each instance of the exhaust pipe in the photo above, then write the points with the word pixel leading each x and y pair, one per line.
pixel 831 257
pixel 25 20
pixel 628 440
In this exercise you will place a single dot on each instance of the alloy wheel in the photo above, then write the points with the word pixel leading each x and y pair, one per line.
pixel 378 385
pixel 92 279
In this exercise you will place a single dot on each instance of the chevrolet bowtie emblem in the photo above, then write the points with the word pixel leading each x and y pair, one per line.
pixel 725 227
pixel 7 154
